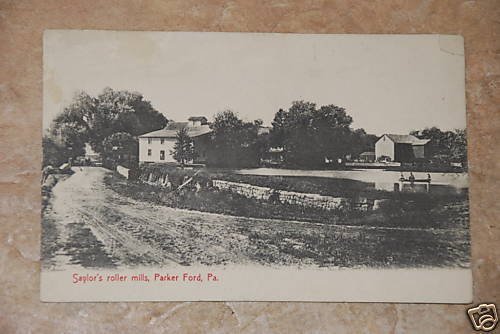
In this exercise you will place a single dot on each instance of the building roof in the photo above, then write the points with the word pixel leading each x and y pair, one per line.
pixel 367 154
pixel 170 131
pixel 201 119
pixel 406 139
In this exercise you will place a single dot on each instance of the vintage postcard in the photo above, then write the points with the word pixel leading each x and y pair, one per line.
pixel 254 167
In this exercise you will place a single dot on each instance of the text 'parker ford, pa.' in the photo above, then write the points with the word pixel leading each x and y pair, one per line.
pixel 141 277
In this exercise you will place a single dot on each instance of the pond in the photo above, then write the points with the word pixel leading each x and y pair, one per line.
pixel 378 178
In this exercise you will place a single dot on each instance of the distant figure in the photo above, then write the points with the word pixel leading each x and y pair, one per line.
pixel 411 178
pixel 402 177
pixel 428 177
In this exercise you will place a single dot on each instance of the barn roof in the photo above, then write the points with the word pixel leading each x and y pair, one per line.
pixel 201 119
pixel 407 139
pixel 367 154
pixel 170 131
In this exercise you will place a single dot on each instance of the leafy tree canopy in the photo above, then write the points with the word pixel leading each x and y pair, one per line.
pixel 92 119
pixel 55 154
pixel 450 146
pixel 121 148
pixel 234 142
pixel 310 134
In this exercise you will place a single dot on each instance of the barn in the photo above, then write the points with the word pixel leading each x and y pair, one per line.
pixel 367 156
pixel 157 146
pixel 401 148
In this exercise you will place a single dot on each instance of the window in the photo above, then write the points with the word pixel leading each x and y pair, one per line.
pixel 162 155
pixel 150 140
pixel 162 140
pixel 149 152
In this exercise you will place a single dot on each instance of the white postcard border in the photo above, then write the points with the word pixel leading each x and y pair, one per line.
pixel 265 284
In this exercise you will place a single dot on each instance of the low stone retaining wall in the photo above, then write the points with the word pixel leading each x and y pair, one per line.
pixel 269 194
pixel 244 189
pixel 314 200
pixel 295 198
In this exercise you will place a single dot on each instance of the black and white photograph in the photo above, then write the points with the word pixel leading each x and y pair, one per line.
pixel 204 155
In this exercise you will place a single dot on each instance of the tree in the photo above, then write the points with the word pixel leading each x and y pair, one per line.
pixel 92 119
pixel 310 134
pixel 121 148
pixel 447 146
pixel 298 135
pixel 458 147
pixel 362 142
pixel 54 154
pixel 183 151
pixel 71 136
pixel 333 135
pixel 277 134
pixel 234 142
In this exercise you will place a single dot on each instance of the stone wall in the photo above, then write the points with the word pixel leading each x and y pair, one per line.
pixel 269 194
pixel 289 197
pixel 244 189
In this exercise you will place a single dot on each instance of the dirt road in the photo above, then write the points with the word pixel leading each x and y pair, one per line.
pixel 89 225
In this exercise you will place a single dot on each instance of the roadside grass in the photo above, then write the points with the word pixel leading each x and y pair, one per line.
pixel 49 242
pixel 86 249
pixel 49 234
pixel 351 248
pixel 410 210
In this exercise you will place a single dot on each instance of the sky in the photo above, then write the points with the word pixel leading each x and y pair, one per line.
pixel 387 83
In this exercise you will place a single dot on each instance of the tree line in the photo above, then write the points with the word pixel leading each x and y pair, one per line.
pixel 446 146
pixel 109 123
pixel 311 135
pixel 306 134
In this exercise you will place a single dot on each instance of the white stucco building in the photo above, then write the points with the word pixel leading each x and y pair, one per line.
pixel 157 146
